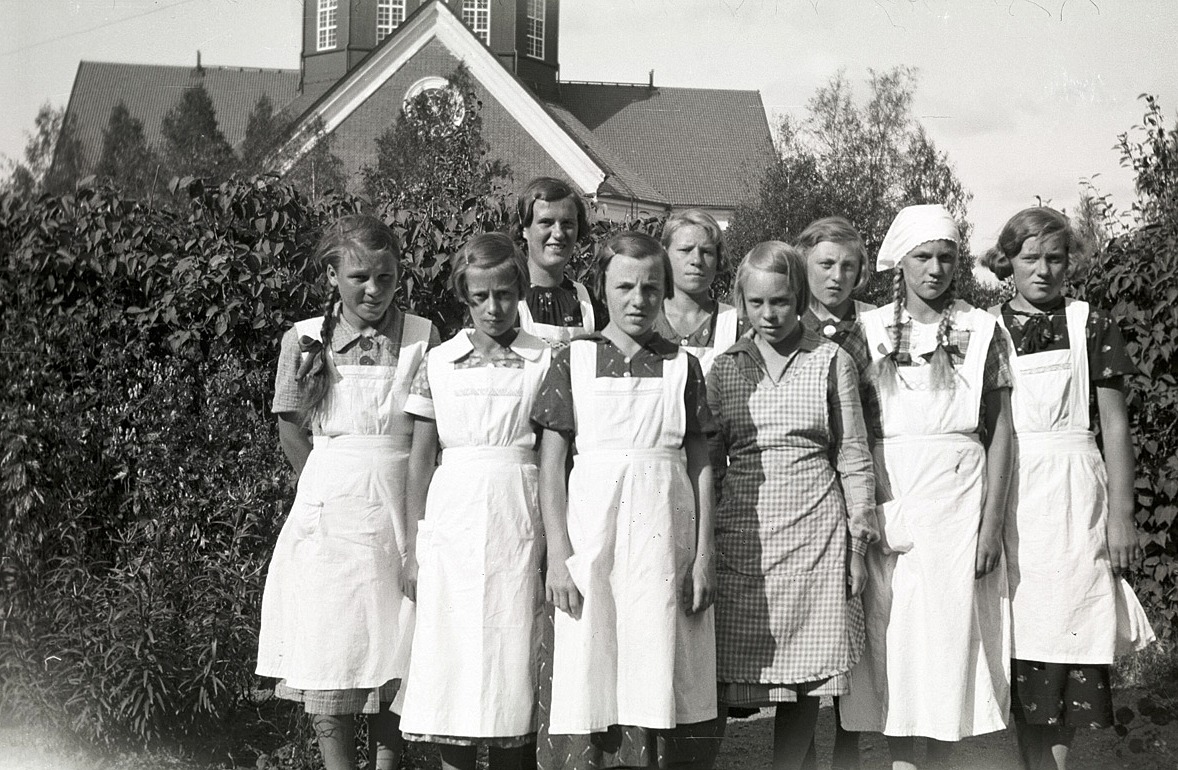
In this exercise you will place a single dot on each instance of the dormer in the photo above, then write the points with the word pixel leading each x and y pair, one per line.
pixel 523 34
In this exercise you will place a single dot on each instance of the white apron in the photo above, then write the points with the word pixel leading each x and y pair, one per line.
pixel 937 661
pixel 1063 592
pixel 333 615
pixel 634 657
pixel 479 547
pixel 560 334
pixel 727 322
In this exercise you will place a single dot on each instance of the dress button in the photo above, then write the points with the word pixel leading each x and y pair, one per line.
pixel 366 361
pixel 366 343
pixel 684 342
pixel 829 330
pixel 625 374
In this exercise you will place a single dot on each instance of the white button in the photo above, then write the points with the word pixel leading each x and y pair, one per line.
pixel 625 374
pixel 684 342
pixel 829 330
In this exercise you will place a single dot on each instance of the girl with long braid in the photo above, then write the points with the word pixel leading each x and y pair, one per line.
pixel 938 620
pixel 336 617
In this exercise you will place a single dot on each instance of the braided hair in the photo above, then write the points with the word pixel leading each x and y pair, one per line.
pixel 886 370
pixel 351 234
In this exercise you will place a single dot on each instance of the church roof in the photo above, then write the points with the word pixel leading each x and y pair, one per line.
pixel 676 138
pixel 151 90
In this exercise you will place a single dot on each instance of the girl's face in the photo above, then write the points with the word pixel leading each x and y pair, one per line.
pixel 492 298
pixel 1041 268
pixel 770 305
pixel 928 268
pixel 366 281
pixel 832 269
pixel 694 259
pixel 634 293
pixel 553 233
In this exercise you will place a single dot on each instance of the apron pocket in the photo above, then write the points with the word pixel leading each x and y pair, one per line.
pixel 895 537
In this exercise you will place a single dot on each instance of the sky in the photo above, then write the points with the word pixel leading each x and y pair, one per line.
pixel 1026 98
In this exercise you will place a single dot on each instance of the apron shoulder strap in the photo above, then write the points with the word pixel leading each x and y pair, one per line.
pixel 588 322
pixel 309 327
pixel 727 324
pixel 416 329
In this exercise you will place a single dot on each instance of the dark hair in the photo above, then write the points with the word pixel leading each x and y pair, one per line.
pixel 1036 221
pixel 351 234
pixel 706 222
pixel 635 246
pixel 835 230
pixel 773 257
pixel 545 188
pixel 487 252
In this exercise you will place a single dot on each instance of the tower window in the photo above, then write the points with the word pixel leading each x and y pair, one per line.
pixel 476 14
pixel 326 24
pixel 389 15
pixel 535 35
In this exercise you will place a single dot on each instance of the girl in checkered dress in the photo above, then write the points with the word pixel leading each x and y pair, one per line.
pixel 796 511
pixel 938 624
pixel 336 623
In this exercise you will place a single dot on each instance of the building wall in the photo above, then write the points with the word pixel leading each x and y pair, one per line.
pixel 354 140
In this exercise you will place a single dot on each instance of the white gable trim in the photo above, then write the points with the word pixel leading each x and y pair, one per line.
pixel 437 21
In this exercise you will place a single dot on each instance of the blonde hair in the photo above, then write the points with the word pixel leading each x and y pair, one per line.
pixel 704 221
pixel 773 257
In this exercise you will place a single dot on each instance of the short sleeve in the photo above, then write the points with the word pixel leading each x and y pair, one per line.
pixel 553 408
pixel 997 373
pixel 435 337
pixel 695 400
pixel 286 387
pixel 420 402
pixel 1107 357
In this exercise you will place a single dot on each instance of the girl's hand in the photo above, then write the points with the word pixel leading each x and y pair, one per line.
pixel 560 589
pixel 699 586
pixel 409 577
pixel 989 553
pixel 857 577
pixel 1123 546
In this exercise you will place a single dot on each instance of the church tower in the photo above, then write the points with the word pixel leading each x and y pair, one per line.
pixel 524 34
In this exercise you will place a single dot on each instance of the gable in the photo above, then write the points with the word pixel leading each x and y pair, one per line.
pixel 354 138
pixel 150 91
pixel 433 25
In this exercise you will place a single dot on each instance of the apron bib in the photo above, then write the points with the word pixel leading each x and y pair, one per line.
pixel 479 550
pixel 727 322
pixel 1063 592
pixel 938 642
pixel 633 657
pixel 557 335
pixel 333 615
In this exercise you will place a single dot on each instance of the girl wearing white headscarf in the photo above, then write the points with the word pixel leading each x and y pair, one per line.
pixel 938 617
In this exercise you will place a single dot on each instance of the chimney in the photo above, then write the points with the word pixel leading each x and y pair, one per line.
pixel 199 69
pixel 651 84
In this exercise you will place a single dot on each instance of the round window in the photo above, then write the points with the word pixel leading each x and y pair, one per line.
pixel 433 102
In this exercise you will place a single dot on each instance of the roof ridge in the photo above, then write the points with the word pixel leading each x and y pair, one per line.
pixel 224 67
pixel 655 87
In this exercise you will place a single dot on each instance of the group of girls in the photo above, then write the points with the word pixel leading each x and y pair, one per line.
pixel 652 510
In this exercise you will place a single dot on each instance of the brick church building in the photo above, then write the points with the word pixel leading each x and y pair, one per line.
pixel 634 148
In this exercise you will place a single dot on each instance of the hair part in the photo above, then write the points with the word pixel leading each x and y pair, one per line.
pixel 1037 221
pixel 706 222
pixel 836 230
pixel 488 251
pixel 628 243
pixel 349 235
pixel 548 189
pixel 773 257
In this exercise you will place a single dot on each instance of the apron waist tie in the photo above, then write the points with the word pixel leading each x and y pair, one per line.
pixel 944 439
pixel 1053 441
pixel 510 455
pixel 637 453
pixel 398 442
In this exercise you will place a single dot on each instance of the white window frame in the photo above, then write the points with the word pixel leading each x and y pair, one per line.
pixel 476 14
pixel 390 14
pixel 537 22
pixel 326 25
